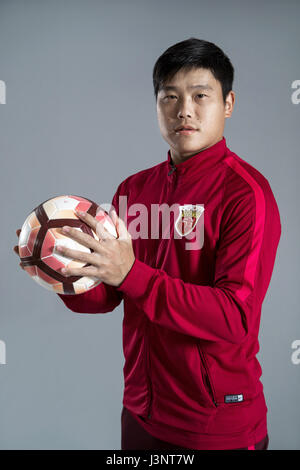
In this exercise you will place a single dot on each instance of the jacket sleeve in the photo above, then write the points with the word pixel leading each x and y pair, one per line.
pixel 101 299
pixel 249 234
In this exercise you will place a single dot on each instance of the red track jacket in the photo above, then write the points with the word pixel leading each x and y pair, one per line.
pixel 192 303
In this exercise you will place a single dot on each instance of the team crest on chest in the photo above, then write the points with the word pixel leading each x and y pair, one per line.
pixel 188 217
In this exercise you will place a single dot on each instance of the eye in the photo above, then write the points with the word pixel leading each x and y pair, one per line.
pixel 201 94
pixel 170 96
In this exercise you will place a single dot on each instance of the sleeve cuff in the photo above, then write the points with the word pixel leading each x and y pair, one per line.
pixel 137 280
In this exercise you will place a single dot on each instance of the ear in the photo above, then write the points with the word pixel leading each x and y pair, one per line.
pixel 229 104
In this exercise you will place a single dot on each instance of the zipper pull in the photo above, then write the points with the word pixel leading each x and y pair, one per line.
pixel 171 171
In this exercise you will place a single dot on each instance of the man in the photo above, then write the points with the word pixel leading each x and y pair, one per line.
pixel 192 294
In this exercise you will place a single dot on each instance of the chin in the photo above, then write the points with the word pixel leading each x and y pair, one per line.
pixel 192 146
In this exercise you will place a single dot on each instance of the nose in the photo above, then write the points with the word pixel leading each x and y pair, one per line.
pixel 185 109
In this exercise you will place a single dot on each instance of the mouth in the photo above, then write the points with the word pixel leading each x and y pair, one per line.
pixel 185 131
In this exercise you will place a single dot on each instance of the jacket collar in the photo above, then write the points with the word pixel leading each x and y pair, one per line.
pixel 198 163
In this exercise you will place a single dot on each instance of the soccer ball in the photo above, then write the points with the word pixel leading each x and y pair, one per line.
pixel 39 236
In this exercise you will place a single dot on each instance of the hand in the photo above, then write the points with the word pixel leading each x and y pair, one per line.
pixel 112 258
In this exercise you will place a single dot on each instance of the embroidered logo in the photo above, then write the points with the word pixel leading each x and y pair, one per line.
pixel 188 217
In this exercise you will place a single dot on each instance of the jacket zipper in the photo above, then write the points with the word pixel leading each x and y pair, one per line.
pixel 174 178
pixel 212 390
pixel 172 169
pixel 147 354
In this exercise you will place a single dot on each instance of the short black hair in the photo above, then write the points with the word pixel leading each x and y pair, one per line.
pixel 193 53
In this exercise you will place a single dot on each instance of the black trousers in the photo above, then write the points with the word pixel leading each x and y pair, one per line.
pixel 135 437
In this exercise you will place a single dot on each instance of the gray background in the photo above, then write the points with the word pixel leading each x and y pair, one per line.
pixel 79 118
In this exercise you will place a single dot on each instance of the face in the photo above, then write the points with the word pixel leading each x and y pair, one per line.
pixel 192 98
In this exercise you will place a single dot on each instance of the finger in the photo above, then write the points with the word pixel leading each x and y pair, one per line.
pixel 88 271
pixel 16 250
pixel 83 238
pixel 96 225
pixel 87 218
pixel 16 247
pixel 93 222
pixel 76 255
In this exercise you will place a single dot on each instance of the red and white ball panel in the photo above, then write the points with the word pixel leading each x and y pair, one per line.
pixel 63 207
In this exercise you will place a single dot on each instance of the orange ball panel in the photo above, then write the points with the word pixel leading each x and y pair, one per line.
pixel 54 263
pixel 75 264
pixel 31 270
pixel 48 244
pixel 65 214
pixel 24 252
pixel 32 238
pixel 56 233
pixel 58 288
pixel 83 206
pixel 79 289
pixel 33 221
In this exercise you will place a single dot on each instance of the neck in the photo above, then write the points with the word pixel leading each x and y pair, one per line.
pixel 178 158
